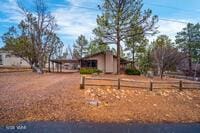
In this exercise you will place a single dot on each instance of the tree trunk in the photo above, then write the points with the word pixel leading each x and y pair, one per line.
pixel 33 68
pixel 190 55
pixel 118 52
pixel 158 70
pixel 118 42
pixel 40 65
pixel 190 65
pixel 133 58
pixel 49 69
pixel 118 57
pixel 161 73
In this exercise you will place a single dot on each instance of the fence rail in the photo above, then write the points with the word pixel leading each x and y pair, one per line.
pixel 182 77
pixel 137 84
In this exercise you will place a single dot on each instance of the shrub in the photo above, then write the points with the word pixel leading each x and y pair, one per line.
pixel 132 72
pixel 89 71
pixel 98 71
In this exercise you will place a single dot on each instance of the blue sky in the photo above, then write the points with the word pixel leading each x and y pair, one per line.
pixel 73 20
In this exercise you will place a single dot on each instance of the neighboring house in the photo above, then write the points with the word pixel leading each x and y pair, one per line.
pixel 7 59
pixel 104 61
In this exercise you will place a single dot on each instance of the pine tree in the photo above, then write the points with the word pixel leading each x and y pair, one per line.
pixel 81 46
pixel 96 47
pixel 118 16
pixel 188 41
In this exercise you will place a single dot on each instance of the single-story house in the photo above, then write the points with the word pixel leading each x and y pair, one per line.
pixel 104 61
pixel 7 59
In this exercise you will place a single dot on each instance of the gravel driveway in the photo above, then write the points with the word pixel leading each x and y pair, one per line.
pixel 27 97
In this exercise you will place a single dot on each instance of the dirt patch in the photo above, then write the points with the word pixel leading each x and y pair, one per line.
pixel 31 97
pixel 126 105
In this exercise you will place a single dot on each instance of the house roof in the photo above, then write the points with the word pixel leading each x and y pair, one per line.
pixel 122 60
pixel 62 61
pixel 4 51
pixel 92 55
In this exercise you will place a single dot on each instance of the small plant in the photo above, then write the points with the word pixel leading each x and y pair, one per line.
pixel 132 72
pixel 89 71
pixel 98 71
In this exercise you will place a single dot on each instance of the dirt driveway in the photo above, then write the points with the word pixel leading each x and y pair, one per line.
pixel 31 97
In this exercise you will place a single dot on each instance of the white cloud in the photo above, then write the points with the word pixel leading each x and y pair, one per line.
pixel 73 20
pixel 11 10
pixel 169 28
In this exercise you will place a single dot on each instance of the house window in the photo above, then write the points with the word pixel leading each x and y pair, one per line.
pixel 89 63
pixel 1 60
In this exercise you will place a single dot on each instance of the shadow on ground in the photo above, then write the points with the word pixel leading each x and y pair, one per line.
pixel 84 127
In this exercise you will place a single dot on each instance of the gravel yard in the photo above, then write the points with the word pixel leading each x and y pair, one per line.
pixel 27 96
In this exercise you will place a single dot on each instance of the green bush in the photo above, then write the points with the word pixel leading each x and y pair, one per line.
pixel 89 71
pixel 132 72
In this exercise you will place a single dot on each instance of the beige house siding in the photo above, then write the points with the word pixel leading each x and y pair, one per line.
pixel 100 61
pixel 115 65
pixel 106 62
pixel 109 62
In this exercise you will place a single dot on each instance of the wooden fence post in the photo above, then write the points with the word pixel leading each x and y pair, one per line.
pixel 82 85
pixel 151 86
pixel 180 85
pixel 118 83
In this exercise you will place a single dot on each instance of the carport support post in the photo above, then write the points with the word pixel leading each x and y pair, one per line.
pixel 151 86
pixel 60 67
pixel 53 66
pixel 180 85
pixel 118 83
pixel 82 85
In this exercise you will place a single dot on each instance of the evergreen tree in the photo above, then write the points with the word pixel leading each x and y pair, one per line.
pixel 136 45
pixel 118 16
pixel 81 46
pixel 145 60
pixel 188 41
pixel 96 47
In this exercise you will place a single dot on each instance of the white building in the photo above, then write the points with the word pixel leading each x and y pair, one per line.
pixel 9 60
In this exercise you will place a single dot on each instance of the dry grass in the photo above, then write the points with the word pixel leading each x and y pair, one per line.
pixel 31 97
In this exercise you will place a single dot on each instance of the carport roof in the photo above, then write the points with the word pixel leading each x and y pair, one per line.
pixel 62 61
pixel 122 60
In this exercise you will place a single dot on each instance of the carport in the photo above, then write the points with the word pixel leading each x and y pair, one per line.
pixel 57 64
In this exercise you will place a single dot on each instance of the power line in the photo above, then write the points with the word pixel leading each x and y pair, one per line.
pixel 171 20
pixel 89 8
pixel 171 7
pixel 163 19
pixel 164 6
